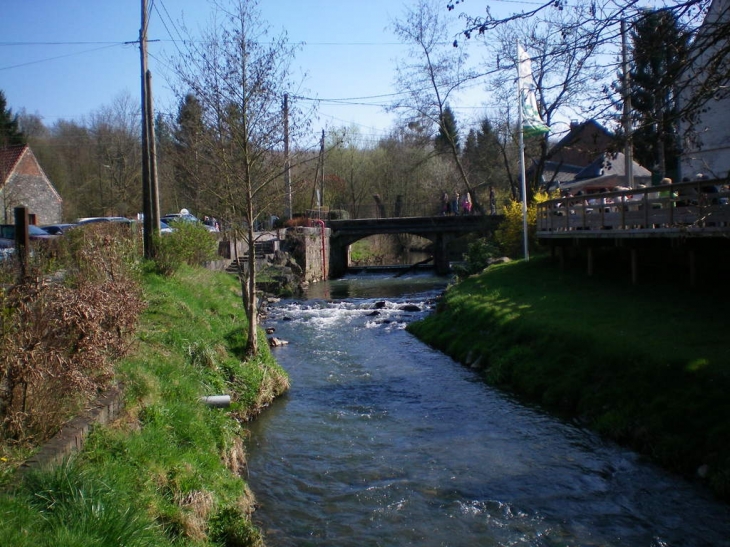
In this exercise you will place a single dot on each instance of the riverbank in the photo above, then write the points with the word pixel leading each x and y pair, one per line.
pixel 647 366
pixel 171 470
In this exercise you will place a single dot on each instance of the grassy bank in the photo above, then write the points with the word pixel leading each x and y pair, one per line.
pixel 170 472
pixel 648 366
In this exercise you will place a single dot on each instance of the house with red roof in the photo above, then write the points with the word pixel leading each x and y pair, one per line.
pixel 24 184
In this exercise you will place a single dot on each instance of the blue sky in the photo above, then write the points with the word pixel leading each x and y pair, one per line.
pixel 65 59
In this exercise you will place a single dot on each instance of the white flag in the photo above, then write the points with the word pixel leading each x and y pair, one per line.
pixel 532 125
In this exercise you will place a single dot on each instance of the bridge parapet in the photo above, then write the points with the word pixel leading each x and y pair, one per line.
pixel 423 226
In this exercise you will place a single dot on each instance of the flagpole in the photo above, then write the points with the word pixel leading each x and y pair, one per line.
pixel 522 155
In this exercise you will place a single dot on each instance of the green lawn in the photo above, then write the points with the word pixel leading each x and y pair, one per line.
pixel 647 365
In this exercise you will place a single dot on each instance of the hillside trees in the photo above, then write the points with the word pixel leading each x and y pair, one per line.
pixel 190 157
pixel 114 133
pixel 351 162
pixel 484 158
pixel 239 73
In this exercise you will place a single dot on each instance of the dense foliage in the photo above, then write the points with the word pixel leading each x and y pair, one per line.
pixel 189 243
pixel 60 335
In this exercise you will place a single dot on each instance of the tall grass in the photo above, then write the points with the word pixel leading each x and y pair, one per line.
pixel 170 472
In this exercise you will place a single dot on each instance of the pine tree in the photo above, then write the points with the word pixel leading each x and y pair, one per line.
pixel 10 133
pixel 448 132
pixel 659 52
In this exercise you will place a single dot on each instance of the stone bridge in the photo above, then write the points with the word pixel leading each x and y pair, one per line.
pixel 440 230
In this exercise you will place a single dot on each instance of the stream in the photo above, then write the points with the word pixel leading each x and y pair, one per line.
pixel 383 441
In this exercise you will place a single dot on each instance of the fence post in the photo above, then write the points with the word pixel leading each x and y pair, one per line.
pixel 22 239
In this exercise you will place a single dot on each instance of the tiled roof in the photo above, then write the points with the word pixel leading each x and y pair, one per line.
pixel 9 158
pixel 581 144
pixel 610 164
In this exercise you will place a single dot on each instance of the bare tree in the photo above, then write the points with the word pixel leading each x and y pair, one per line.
pixel 568 77
pixel 434 72
pixel 114 132
pixel 603 18
pixel 239 72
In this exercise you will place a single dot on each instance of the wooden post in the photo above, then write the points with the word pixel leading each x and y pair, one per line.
pixel 590 261
pixel 22 239
pixel 634 267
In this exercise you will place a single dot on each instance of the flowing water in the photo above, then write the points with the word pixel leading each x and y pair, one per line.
pixel 383 441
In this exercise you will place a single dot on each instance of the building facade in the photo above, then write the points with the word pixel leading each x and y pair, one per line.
pixel 24 184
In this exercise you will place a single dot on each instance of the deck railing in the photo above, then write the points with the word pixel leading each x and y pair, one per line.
pixel 673 206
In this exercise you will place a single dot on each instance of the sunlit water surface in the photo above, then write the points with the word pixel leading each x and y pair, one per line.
pixel 383 441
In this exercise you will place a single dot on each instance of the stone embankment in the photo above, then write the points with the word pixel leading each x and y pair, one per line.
pixel 72 436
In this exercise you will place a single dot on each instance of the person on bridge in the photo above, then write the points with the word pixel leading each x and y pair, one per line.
pixel 455 204
pixel 466 204
pixel 445 204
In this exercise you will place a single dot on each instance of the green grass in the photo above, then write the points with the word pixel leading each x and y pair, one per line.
pixel 646 365
pixel 169 472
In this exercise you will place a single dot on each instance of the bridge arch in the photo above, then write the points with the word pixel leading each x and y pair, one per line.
pixel 440 230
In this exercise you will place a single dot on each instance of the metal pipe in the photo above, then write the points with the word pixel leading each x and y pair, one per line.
pixel 217 401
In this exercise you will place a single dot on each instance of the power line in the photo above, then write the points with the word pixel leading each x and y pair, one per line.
pixel 114 44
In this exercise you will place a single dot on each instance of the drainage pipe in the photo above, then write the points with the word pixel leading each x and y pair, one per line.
pixel 217 401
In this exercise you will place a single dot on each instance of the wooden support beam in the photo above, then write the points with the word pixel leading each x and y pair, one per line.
pixel 634 267
pixel 590 261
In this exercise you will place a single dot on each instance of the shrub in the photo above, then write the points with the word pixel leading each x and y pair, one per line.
pixel 59 335
pixel 189 243
pixel 477 257
pixel 509 236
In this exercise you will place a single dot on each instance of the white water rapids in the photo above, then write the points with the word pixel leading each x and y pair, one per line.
pixel 383 441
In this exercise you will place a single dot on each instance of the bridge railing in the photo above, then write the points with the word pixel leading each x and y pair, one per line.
pixel 370 211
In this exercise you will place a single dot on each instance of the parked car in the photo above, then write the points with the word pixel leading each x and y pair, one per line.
pixel 92 220
pixel 165 228
pixel 171 218
pixel 57 229
pixel 35 233
pixel 7 238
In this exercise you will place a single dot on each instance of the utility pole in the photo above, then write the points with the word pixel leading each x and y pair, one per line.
pixel 152 145
pixel 628 150
pixel 287 161
pixel 150 204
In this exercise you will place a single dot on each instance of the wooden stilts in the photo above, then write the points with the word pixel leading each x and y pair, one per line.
pixel 634 267
pixel 590 261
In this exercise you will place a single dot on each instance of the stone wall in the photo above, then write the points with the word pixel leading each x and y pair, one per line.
pixel 305 245
pixel 310 247
pixel 72 436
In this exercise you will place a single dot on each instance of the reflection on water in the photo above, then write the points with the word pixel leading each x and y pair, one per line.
pixel 383 441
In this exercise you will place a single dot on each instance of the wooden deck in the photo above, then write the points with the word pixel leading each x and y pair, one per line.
pixel 693 217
